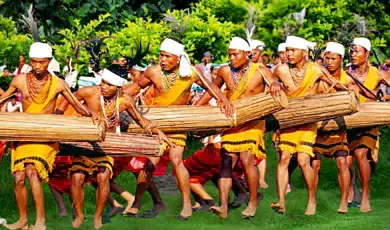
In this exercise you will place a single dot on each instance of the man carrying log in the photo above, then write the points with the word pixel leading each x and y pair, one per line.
pixel 334 144
pixel 35 161
pixel 171 81
pixel 110 101
pixel 243 78
pixel 365 79
pixel 299 78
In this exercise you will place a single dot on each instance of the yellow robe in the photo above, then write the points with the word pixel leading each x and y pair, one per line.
pixel 90 165
pixel 329 143
pixel 300 139
pixel 247 137
pixel 365 137
pixel 178 94
pixel 42 155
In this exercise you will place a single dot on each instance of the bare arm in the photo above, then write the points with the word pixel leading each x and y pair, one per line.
pixel 206 97
pixel 73 100
pixel 143 82
pixel 11 89
pixel 385 77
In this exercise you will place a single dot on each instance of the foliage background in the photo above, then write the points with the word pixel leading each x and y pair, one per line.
pixel 211 25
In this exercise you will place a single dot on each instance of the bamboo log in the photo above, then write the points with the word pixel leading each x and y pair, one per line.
pixel 189 118
pixel 309 109
pixel 48 128
pixel 371 114
pixel 126 144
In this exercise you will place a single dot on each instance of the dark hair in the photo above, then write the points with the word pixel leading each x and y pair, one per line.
pixel 118 70
pixel 275 55
pixel 5 69
pixel 265 55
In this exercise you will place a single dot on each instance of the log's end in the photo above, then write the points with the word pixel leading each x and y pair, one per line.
pixel 102 129
pixel 355 104
pixel 160 151
pixel 282 100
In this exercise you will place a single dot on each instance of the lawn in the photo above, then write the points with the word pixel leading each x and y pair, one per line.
pixel 326 217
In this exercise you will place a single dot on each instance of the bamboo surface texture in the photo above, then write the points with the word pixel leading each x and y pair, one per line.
pixel 126 144
pixel 184 118
pixel 371 114
pixel 48 128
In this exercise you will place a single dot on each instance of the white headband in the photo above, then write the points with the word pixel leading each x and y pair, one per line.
pixel 282 47
pixel 335 47
pixel 112 78
pixel 238 43
pixel 297 43
pixel 362 42
pixel 256 44
pixel 175 48
pixel 40 50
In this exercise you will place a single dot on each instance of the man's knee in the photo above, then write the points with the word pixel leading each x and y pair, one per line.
pixel 316 165
pixel 31 172
pixel 78 179
pixel 284 159
pixel 360 154
pixel 103 175
pixel 303 160
pixel 20 178
pixel 176 161
pixel 247 159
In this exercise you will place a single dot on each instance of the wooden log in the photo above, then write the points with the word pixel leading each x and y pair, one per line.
pixel 309 109
pixel 48 128
pixel 184 118
pixel 371 114
pixel 126 144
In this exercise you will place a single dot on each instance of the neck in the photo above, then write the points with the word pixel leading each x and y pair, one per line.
pixel 174 69
pixel 41 76
pixel 337 73
pixel 300 64
pixel 244 65
pixel 110 97
pixel 362 68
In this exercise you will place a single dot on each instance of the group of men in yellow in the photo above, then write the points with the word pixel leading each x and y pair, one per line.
pixel 169 83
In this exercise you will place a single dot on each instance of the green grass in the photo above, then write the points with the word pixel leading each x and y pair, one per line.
pixel 326 217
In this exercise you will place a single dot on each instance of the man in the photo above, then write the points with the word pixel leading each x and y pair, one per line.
pixel 265 60
pixel 23 67
pixel 257 48
pixel 6 72
pixel 275 61
pixel 110 101
pixel 282 52
pixel 171 81
pixel 243 79
pixel 35 161
pixel 362 141
pixel 298 78
pixel 205 65
pixel 334 144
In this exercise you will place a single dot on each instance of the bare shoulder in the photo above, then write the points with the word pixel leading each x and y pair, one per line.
pixel 152 71
pixel 264 70
pixel 19 79
pixel 224 70
pixel 281 70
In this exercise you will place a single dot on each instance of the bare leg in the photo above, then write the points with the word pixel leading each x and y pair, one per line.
pixel 182 177
pixel 21 196
pixel 364 174
pixel 282 181
pixel 115 206
pixel 262 167
pixel 252 177
pixel 240 192
pixel 103 178
pixel 343 178
pixel 308 175
pixel 200 191
pixel 291 168
pixel 58 196
pixel 316 165
pixel 352 191
pixel 77 192
pixel 37 193
pixel 225 183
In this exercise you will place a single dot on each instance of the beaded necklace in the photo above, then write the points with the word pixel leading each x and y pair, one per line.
pixel 239 75
pixel 38 89
pixel 169 79
pixel 111 107
pixel 298 74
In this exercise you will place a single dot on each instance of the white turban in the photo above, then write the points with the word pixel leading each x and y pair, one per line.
pixel 112 78
pixel 362 42
pixel 40 50
pixel 175 48
pixel 299 43
pixel 335 47
pixel 238 43
pixel 256 44
pixel 282 47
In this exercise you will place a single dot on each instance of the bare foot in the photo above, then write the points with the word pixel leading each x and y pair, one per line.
pixel 97 223
pixel 17 225
pixel 133 211
pixel 79 220
pixel 186 211
pixel 115 210
pixel 343 209
pixel 38 227
pixel 278 207
pixel 288 189
pixel 249 212
pixel 311 208
pixel 365 206
pixel 263 185
pixel 130 202
pixel 222 213
pixel 196 205
pixel 159 207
